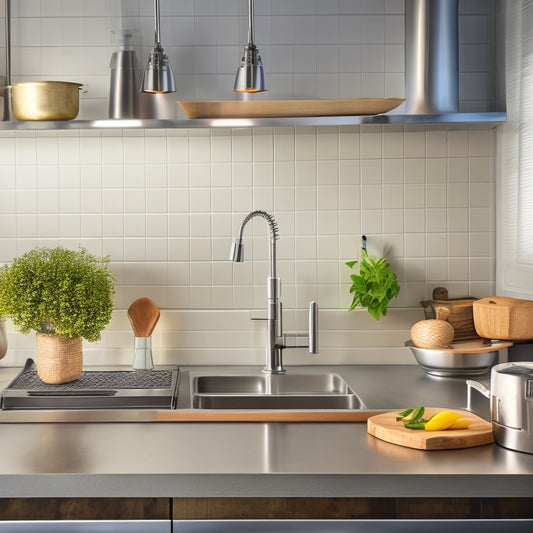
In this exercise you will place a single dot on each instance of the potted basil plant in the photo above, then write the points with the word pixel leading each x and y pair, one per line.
pixel 64 296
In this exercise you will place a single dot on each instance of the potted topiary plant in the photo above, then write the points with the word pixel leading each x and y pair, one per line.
pixel 64 296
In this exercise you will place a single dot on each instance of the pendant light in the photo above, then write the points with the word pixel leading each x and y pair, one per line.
pixel 250 77
pixel 158 76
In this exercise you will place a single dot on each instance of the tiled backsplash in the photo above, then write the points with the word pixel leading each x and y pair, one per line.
pixel 164 204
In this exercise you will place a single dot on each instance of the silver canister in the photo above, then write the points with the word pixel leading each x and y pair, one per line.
pixel 431 56
pixel 123 93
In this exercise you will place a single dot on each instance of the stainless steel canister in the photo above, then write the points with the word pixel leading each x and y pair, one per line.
pixel 431 56
pixel 123 92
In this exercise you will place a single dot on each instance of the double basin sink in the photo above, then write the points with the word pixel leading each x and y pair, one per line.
pixel 324 390
pixel 191 390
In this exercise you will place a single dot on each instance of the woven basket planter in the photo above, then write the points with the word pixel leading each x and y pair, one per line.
pixel 59 359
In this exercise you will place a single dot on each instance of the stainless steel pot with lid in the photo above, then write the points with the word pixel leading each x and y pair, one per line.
pixel 511 400
pixel 511 404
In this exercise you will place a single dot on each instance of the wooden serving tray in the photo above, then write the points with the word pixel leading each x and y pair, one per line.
pixel 385 427
pixel 288 108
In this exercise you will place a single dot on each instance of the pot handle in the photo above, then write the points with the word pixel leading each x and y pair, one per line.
pixel 482 387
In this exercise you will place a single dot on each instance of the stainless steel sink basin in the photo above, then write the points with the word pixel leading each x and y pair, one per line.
pixel 270 391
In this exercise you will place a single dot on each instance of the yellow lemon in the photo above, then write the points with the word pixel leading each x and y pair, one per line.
pixel 442 420
pixel 462 423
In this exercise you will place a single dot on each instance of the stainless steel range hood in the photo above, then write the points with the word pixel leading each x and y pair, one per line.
pixel 431 56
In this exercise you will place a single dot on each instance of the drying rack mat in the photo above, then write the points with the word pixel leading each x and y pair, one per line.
pixel 98 380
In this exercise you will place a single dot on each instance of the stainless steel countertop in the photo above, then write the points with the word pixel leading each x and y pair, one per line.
pixel 160 459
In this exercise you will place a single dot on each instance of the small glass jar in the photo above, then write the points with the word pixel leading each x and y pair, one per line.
pixel 142 353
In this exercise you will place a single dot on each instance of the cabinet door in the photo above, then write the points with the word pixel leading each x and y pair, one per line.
pixel 86 526
pixel 352 526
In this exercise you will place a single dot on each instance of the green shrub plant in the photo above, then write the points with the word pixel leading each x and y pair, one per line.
pixel 58 291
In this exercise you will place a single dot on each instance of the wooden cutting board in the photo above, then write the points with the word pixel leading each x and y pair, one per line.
pixel 288 108
pixel 385 427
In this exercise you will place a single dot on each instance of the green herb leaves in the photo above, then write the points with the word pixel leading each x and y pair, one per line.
pixel 375 285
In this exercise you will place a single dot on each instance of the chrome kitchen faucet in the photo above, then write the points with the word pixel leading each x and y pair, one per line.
pixel 276 341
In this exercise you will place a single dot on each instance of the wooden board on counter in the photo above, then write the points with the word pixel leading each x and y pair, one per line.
pixel 385 427
pixel 212 415
pixel 182 415
pixel 288 108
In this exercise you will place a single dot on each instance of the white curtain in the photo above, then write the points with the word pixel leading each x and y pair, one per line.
pixel 515 154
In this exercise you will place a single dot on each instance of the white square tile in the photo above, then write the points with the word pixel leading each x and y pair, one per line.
pixel 284 173
pixel 283 144
pixel 373 29
pixel 26 151
pixel 327 223
pixel 415 221
pixel 436 269
pixel 135 226
pixel 436 195
pixel 458 221
pixel 415 143
pixel 437 220
pixel 69 201
pixel 371 143
pixel 263 174
pixel 393 197
pixel 393 221
pixel 393 144
pixel 415 170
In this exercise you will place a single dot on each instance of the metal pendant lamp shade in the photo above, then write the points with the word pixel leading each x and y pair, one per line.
pixel 250 77
pixel 158 76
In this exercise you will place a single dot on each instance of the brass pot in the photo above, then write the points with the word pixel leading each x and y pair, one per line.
pixel 45 100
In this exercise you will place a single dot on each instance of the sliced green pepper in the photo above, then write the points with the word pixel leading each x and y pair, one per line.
pixel 405 413
pixel 415 425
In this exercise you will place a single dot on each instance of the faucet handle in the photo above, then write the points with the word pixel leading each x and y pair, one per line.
pixel 301 340
pixel 313 327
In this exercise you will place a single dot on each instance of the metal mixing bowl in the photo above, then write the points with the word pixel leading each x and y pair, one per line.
pixel 454 364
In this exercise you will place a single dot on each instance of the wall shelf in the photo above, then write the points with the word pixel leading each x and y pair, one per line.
pixel 448 118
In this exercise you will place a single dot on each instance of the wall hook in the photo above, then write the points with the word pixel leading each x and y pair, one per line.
pixel 363 242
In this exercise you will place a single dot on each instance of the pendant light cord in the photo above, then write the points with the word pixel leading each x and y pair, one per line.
pixel 251 24
pixel 8 41
pixel 157 23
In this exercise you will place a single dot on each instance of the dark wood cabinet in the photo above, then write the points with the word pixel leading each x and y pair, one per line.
pixel 263 508
pixel 85 508
pixel 350 508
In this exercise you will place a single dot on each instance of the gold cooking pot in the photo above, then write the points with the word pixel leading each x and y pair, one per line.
pixel 45 100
